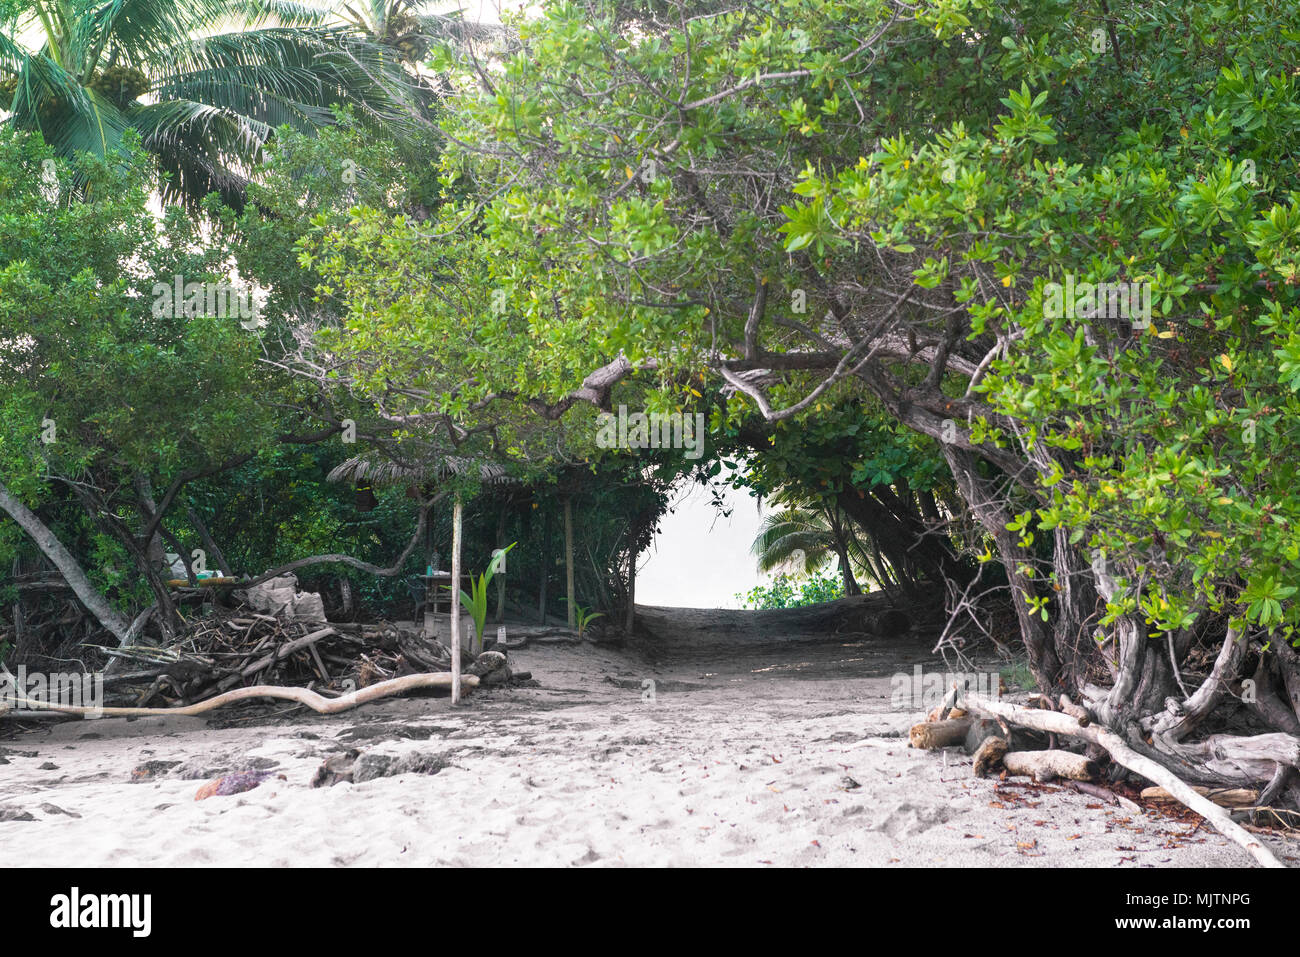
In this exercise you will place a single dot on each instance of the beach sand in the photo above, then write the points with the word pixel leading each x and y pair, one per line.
pixel 756 749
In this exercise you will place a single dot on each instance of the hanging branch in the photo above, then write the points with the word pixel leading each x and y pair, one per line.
pixel 394 569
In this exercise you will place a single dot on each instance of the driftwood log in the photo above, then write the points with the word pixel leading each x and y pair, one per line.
pixel 1057 723
pixel 989 755
pixel 311 699
pixel 933 735
pixel 1050 765
pixel 1224 797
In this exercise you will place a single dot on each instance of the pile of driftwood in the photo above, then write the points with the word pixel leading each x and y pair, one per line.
pixel 984 728
pixel 328 667
pixel 238 648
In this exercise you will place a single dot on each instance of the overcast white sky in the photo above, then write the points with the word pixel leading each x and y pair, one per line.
pixel 700 559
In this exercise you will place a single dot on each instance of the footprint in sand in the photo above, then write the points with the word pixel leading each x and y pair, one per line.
pixel 907 820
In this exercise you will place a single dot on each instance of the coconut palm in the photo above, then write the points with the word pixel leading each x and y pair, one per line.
pixel 203 82
pixel 815 533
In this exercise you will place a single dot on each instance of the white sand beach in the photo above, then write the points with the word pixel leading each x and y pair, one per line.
pixel 756 750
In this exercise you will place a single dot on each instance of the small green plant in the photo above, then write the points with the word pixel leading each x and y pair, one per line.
pixel 476 601
pixel 583 616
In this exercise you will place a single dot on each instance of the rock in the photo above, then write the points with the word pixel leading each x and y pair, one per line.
pixel 272 596
pixel 235 783
pixel 337 767
pixel 152 770
pixel 357 768
pixel 308 606
pixel 15 814
pixel 281 597
pixel 487 663
pixel 371 766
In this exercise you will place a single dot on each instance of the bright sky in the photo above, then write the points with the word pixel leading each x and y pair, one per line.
pixel 700 559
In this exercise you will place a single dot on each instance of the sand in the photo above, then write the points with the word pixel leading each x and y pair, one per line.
pixel 758 749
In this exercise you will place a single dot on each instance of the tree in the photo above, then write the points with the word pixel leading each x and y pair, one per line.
pixel 204 83
pixel 811 536
pixel 112 391
pixel 888 202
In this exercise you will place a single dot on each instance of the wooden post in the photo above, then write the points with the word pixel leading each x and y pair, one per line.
pixel 631 590
pixel 501 575
pixel 429 627
pixel 455 602
pixel 568 561
pixel 546 569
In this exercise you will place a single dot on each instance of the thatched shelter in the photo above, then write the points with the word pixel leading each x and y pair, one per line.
pixel 373 470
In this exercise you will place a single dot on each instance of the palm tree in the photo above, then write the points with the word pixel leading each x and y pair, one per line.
pixel 816 531
pixel 203 82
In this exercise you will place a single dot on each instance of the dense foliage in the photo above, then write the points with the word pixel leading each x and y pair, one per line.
pixel 787 591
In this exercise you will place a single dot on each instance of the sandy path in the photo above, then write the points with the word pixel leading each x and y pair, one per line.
pixel 756 750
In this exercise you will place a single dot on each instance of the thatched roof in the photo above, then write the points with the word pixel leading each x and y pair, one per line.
pixel 386 472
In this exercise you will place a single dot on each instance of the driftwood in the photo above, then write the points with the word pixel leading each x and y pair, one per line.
pixel 383 689
pixel 232 648
pixel 1224 797
pixel 932 735
pixel 1050 765
pixel 1076 711
pixel 989 755
pixel 1119 750
pixel 1110 797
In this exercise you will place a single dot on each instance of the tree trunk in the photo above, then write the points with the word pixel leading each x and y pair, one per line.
pixel 63 560
pixel 984 502
pixel 455 601
pixel 190 575
pixel 156 568
pixel 568 561
pixel 842 552
pixel 209 543
pixel 631 590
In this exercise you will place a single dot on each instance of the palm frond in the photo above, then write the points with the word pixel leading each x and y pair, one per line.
pixel 310 70
pixel 200 148
pixel 71 117
pixel 141 29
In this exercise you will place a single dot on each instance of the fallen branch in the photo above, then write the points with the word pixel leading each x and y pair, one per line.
pixel 1119 750
pixel 285 650
pixel 311 699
